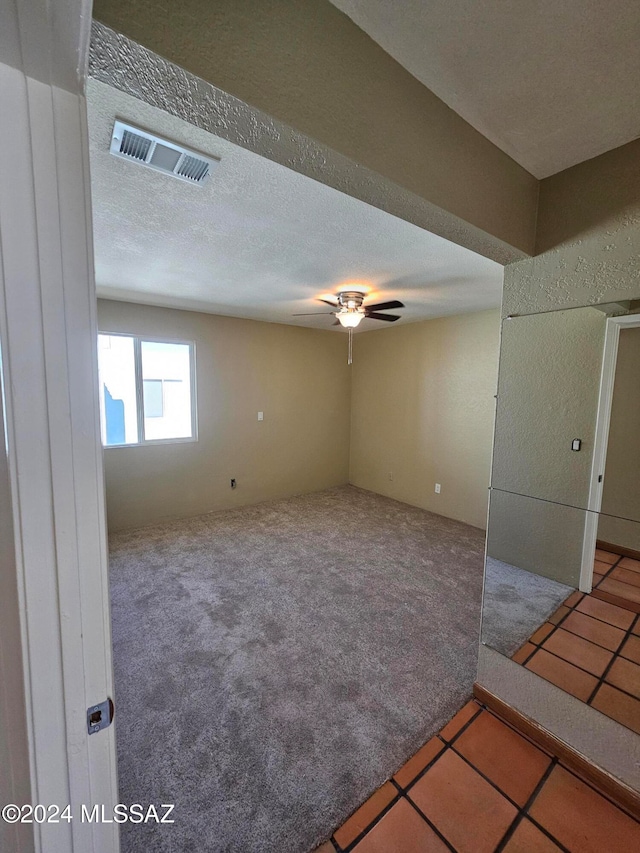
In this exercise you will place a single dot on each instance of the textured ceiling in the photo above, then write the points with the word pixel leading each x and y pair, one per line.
pixel 258 240
pixel 551 82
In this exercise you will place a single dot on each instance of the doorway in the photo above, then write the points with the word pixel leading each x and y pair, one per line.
pixel 610 514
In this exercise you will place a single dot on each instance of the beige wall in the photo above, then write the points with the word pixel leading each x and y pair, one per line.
pixel 298 377
pixel 548 395
pixel 542 537
pixel 307 64
pixel 621 493
pixel 422 408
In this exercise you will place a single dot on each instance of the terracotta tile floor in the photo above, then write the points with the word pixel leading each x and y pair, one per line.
pixel 590 646
pixel 479 787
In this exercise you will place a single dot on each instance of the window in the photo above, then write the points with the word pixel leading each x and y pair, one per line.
pixel 147 390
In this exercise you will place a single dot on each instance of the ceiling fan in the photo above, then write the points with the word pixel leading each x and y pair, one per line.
pixel 351 310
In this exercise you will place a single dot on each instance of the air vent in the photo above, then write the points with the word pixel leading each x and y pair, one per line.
pixel 131 143
pixel 135 146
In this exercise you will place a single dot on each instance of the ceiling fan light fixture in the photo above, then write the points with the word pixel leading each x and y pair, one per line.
pixel 350 318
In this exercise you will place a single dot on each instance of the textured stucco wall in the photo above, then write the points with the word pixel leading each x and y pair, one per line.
pixel 307 64
pixel 422 409
pixel 298 377
pixel 548 395
pixel 542 537
pixel 588 238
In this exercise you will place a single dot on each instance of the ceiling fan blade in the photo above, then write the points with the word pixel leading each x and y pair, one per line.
pixel 329 302
pixel 383 306
pixel 390 318
pixel 314 314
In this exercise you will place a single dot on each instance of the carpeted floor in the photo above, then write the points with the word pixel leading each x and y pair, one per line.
pixel 515 603
pixel 275 664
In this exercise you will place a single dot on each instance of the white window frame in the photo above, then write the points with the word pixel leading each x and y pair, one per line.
pixel 137 361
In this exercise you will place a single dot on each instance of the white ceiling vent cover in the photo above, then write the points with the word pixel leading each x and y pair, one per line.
pixel 131 143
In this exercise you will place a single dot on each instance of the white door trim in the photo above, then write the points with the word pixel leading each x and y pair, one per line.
pixel 603 420
pixel 49 346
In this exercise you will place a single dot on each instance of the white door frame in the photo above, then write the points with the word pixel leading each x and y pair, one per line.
pixel 613 328
pixel 48 332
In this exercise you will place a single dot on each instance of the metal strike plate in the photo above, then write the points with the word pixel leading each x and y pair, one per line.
pixel 99 716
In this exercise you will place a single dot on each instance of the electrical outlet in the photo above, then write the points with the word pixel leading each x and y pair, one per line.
pixel 233 482
pixel 437 488
pixel 260 416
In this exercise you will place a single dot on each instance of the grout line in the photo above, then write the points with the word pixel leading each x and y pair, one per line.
pixel 487 779
pixel 587 616
pixel 632 585
pixel 603 621
pixel 430 823
pixel 529 656
pixel 546 832
pixel 402 791
pixel 541 645
pixel 601 681
pixel 521 734
pixel 532 797
pixel 577 665
pixel 554 629
pixel 617 565
pixel 522 812
pixel 615 654
pixel 554 763
pixel 368 828
pixel 599 792
pixel 599 645
pixel 425 768
pixel 510 831
pixel 537 646
pixel 587 671
pixel 600 678
pixel 465 727
pixel 619 600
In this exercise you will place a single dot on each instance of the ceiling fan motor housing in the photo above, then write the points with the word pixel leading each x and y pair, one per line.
pixel 350 299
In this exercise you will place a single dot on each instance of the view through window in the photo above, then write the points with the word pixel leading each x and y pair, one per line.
pixel 146 390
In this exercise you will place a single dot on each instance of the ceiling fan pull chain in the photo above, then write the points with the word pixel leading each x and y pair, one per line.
pixel 350 358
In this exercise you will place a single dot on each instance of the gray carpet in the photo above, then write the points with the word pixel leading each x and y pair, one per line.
pixel 275 664
pixel 515 603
